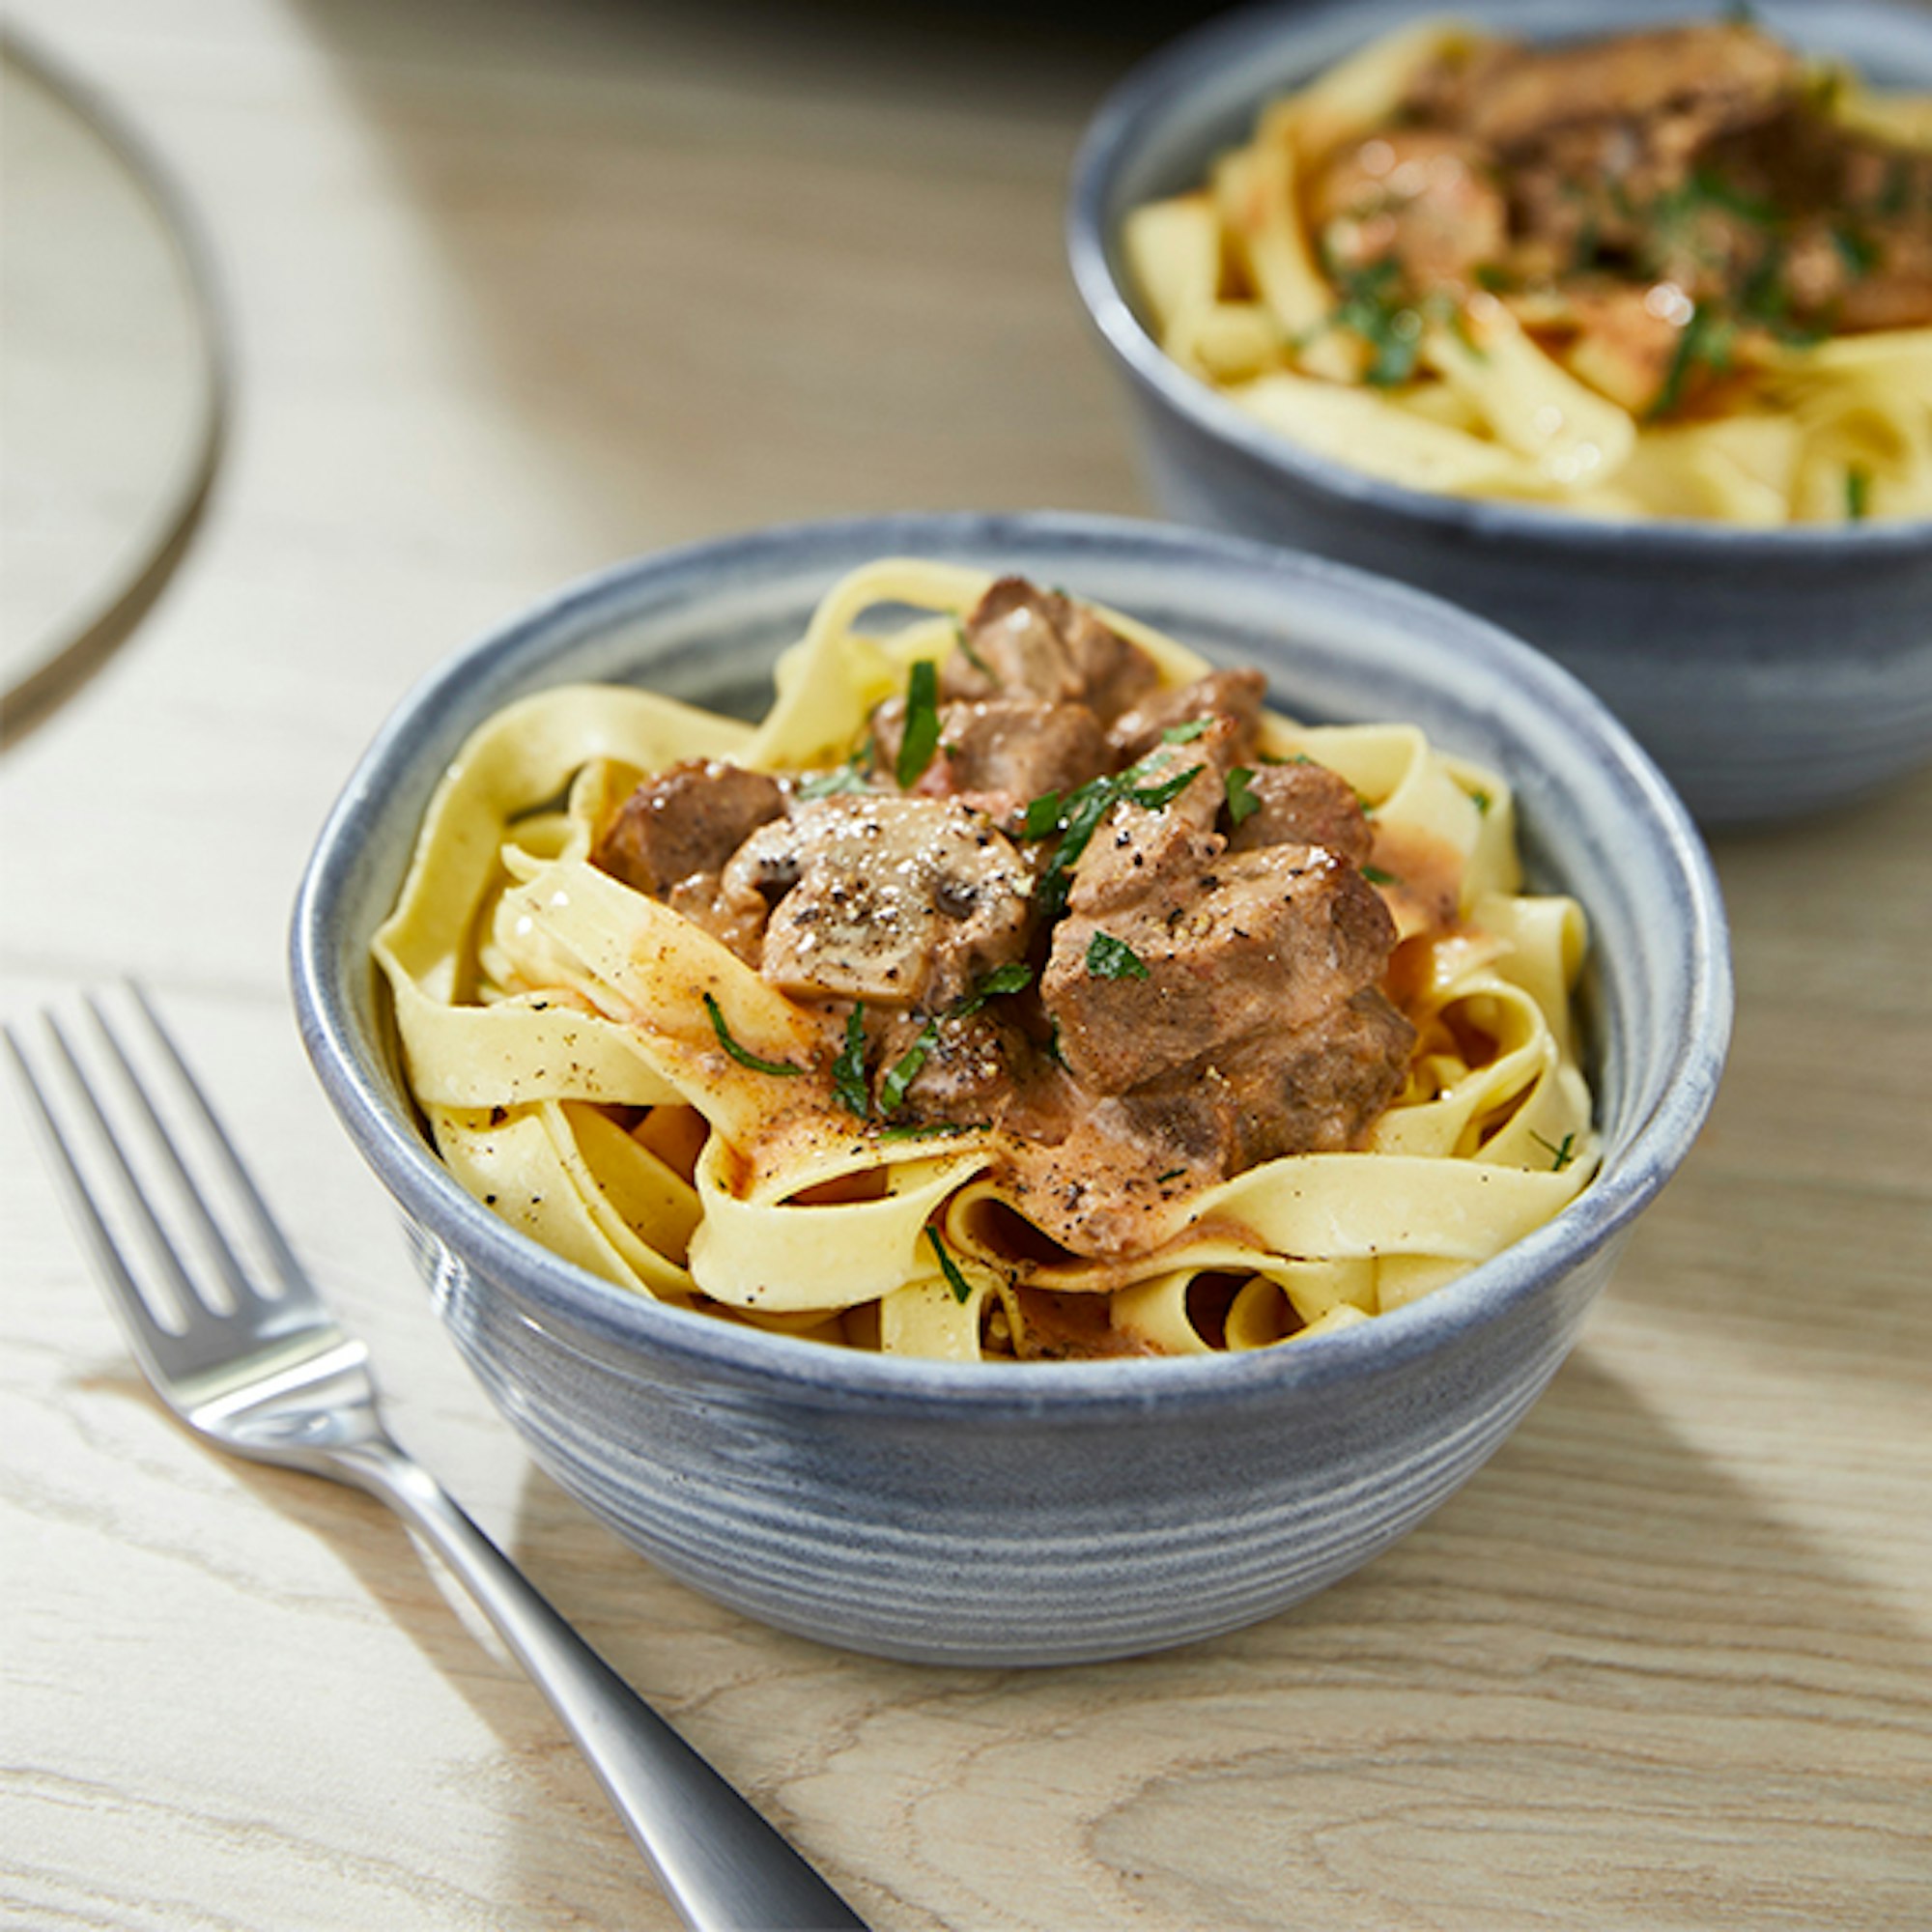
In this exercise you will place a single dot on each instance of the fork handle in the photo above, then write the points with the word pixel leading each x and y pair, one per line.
pixel 721 1864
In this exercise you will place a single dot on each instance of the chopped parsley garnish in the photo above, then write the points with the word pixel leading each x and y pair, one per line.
pixel 1481 800
pixel 1858 255
pixel 1704 341
pixel 1858 493
pixel 1560 1156
pixel 1110 958
pixel 1376 876
pixel 852 775
pixel 1714 191
pixel 964 645
pixel 1496 281
pixel 922 725
pixel 1157 797
pixel 849 1070
pixel 962 1289
pixel 1077 814
pixel 1011 977
pixel 1172 1174
pixel 824 785
pixel 1053 1052
pixel 1374 307
pixel 1042 817
pixel 1897 193
pixel 904 1070
pixel 1243 802
pixel 1764 297
pixel 926 1131
pixel 743 1055
pixel 1184 735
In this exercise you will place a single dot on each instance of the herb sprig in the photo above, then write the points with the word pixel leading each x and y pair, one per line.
pixel 1076 816
pixel 1110 958
pixel 1704 341
pixel 922 725
pixel 904 1070
pixel 1243 801
pixel 853 775
pixel 1011 978
pixel 743 1055
pixel 963 643
pixel 1376 307
pixel 849 1070
pixel 962 1289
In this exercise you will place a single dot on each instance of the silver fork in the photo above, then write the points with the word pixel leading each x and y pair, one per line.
pixel 272 1376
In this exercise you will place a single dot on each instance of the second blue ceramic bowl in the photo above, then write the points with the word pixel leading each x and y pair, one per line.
pixel 1039 1513
pixel 1770 672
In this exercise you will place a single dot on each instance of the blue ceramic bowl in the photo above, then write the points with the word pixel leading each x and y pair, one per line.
pixel 1770 672
pixel 1037 1513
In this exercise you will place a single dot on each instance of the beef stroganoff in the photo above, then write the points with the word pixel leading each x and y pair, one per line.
pixel 1683 273
pixel 1019 986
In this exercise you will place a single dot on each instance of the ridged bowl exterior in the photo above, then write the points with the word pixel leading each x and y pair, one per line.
pixel 1771 673
pixel 1040 1513
pixel 1022 1545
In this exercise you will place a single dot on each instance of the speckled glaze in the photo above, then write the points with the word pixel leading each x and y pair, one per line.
pixel 1043 1513
pixel 1770 672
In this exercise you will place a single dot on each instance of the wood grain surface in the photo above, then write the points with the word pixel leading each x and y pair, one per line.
pixel 519 289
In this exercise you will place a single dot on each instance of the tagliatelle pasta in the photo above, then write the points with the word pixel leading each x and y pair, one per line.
pixel 611 1077
pixel 1675 275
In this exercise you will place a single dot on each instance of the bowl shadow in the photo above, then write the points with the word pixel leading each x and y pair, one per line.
pixel 1573 1571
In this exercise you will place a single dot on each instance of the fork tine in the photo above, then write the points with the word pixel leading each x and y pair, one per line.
pixel 217 1241
pixel 166 1253
pixel 151 1342
pixel 293 1277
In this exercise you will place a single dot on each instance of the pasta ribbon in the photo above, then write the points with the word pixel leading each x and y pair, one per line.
pixel 614 1081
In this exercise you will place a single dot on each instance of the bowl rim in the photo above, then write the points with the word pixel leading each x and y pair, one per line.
pixel 1157 85
pixel 595 1315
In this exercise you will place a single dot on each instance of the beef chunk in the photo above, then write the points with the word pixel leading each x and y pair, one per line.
pixel 1153 860
pixel 1001 748
pixel 1273 938
pixel 1672 89
pixel 686 821
pixel 1304 804
pixel 1417 196
pixel 1840 187
pixel 1022 642
pixel 1313 1089
pixel 896 901
pixel 1588 135
pixel 1235 695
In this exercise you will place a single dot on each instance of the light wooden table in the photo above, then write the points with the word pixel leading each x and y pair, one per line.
pixel 520 290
